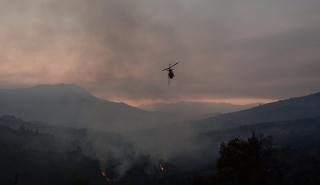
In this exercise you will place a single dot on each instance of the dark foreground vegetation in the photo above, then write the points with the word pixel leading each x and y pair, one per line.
pixel 30 154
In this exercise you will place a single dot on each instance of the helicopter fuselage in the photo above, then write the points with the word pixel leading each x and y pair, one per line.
pixel 170 74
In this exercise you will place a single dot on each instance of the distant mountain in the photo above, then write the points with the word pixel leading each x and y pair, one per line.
pixel 288 109
pixel 196 110
pixel 70 105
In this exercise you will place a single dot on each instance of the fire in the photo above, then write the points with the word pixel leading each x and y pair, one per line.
pixel 104 174
pixel 161 167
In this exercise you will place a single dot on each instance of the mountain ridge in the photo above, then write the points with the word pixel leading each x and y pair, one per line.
pixel 70 105
pixel 287 109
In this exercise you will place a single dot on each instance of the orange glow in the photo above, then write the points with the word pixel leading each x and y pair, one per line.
pixel 235 101
pixel 161 167
pixel 103 173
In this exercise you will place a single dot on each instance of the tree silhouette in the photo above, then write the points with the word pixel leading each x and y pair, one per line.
pixel 245 161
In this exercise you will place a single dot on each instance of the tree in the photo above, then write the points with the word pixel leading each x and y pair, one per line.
pixel 245 161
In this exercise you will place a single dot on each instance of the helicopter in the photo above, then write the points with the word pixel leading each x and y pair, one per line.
pixel 170 71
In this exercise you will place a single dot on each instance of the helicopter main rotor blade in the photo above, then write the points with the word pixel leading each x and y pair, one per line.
pixel 166 69
pixel 174 64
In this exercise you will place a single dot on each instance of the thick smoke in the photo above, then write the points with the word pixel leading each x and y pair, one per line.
pixel 117 48
pixel 178 144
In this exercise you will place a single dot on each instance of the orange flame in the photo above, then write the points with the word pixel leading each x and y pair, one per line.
pixel 161 167
pixel 103 173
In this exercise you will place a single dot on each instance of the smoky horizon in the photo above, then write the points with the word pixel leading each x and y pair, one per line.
pixel 239 52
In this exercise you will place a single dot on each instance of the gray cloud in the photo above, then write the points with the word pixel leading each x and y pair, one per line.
pixel 228 49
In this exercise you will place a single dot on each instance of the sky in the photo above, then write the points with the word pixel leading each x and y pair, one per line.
pixel 237 51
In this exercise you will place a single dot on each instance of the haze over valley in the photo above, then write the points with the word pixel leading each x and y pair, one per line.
pixel 160 92
pixel 67 120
